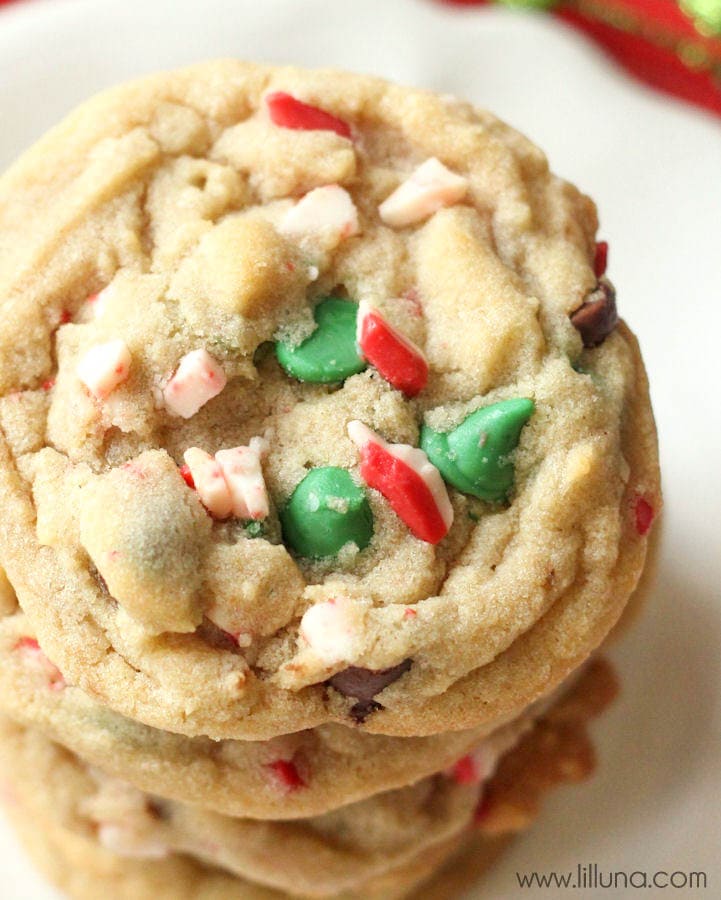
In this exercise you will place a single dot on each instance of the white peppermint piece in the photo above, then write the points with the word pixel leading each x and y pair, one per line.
pixel 486 755
pixel 328 212
pixel 414 458
pixel 430 187
pixel 198 378
pixel 331 629
pixel 124 841
pixel 94 305
pixel 104 367
pixel 244 477
pixel 209 482
pixel 98 302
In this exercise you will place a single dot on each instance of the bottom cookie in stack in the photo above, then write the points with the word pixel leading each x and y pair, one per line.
pixel 92 833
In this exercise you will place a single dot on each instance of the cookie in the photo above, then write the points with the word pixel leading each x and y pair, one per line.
pixel 57 786
pixel 323 856
pixel 84 870
pixel 346 339
pixel 290 777
pixel 303 774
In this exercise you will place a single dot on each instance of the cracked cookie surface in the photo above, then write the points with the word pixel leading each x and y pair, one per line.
pixel 185 229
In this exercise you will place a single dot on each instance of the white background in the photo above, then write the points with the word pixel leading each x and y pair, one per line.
pixel 654 168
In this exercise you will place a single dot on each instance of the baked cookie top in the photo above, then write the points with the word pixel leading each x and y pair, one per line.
pixel 314 407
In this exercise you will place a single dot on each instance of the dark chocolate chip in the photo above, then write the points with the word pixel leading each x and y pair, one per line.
pixel 157 809
pixel 363 684
pixel 596 318
pixel 361 711
pixel 216 637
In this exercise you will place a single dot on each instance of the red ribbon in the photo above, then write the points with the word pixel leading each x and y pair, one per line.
pixel 654 40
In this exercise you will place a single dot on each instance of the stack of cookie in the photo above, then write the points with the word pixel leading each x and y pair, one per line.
pixel 326 466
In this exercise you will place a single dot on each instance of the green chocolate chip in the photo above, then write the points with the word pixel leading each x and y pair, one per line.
pixel 326 511
pixel 330 354
pixel 474 457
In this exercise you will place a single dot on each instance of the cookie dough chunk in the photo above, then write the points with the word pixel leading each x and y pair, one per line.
pixel 242 267
pixel 145 533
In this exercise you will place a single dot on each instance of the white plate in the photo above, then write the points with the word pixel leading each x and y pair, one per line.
pixel 654 168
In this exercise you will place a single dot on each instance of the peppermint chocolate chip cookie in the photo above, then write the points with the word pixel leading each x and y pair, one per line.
pixel 361 848
pixel 290 776
pixel 324 856
pixel 315 407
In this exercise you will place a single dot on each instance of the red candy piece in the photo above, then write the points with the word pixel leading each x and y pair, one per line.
pixel 644 516
pixel 187 476
pixel 398 360
pixel 287 774
pixel 28 643
pixel 412 486
pixel 600 262
pixel 56 682
pixel 482 810
pixel 465 771
pixel 288 112
pixel 49 384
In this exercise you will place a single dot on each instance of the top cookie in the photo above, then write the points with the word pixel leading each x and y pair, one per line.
pixel 314 407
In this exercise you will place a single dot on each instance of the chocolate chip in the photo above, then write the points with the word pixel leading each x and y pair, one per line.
pixel 363 684
pixel 157 809
pixel 361 711
pixel 596 318
pixel 216 637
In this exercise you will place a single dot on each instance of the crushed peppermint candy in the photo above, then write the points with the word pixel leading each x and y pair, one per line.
pixel 286 774
pixel 287 111
pixel 465 771
pixel 430 187
pixel 331 628
pixel 231 483
pixel 327 211
pixel 104 367
pixel 600 261
pixel 478 765
pixel 32 651
pixel 198 378
pixel 644 516
pixel 398 360
pixel 244 477
pixel 123 840
pixel 209 481
pixel 410 483
pixel 95 303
